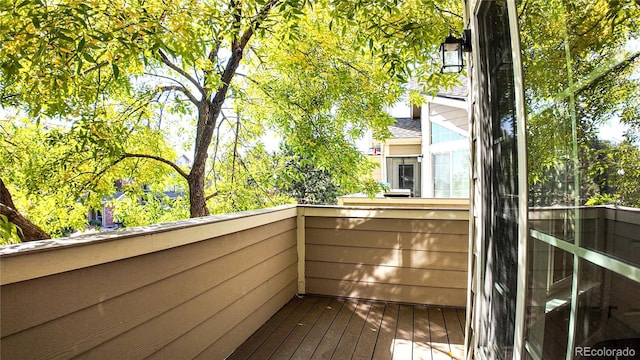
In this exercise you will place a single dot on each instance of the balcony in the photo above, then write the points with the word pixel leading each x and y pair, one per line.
pixel 285 282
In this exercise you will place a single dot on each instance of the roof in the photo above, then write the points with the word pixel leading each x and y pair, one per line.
pixel 406 128
pixel 458 92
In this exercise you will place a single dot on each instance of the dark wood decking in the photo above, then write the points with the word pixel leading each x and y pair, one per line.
pixel 316 327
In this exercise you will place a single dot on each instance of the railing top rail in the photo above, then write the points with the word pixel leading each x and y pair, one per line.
pixel 41 258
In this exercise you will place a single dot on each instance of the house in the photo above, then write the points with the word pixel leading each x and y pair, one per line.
pixel 105 219
pixel 428 151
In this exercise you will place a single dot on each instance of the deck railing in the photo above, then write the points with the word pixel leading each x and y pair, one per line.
pixel 200 287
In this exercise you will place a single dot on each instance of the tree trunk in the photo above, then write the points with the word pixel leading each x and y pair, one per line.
pixel 197 200
pixel 30 231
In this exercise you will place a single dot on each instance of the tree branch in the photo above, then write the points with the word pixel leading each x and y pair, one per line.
pixel 159 159
pixel 165 59
pixel 181 89
pixel 211 196
pixel 447 12
pixel 30 231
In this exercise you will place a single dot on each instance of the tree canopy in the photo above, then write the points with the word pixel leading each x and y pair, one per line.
pixel 582 72
pixel 117 73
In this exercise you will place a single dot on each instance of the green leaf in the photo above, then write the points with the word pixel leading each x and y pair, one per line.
pixel 116 70
pixel 81 44
pixel 88 57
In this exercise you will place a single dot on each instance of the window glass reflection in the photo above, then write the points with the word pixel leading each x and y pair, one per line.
pixel 608 310
pixel 548 300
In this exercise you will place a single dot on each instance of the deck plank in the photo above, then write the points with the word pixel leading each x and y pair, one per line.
pixel 384 345
pixel 347 344
pixel 421 337
pixel 295 337
pixel 261 335
pixel 314 337
pixel 455 334
pixel 330 340
pixel 267 348
pixel 367 341
pixel 439 340
pixel 403 342
pixel 320 327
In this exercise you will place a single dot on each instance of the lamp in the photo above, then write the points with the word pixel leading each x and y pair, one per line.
pixel 452 49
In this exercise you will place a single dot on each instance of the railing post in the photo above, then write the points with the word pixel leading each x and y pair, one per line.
pixel 300 236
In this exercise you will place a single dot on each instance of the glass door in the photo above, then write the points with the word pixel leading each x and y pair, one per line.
pixel 499 192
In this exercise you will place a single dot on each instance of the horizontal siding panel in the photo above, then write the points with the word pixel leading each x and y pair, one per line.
pixel 29 303
pixel 628 215
pixel 233 337
pixel 387 257
pixel 392 225
pixel 623 229
pixel 387 275
pixel 212 329
pixel 144 340
pixel 398 293
pixel 95 324
pixel 388 240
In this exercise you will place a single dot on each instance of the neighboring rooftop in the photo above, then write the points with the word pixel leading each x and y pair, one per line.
pixel 406 128
pixel 458 92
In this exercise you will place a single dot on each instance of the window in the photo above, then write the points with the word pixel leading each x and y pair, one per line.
pixel 405 173
pixel 582 92
pixel 451 174
pixel 440 134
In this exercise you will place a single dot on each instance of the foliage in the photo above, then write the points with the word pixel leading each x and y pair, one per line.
pixel 151 207
pixel 243 174
pixel 56 174
pixel 301 180
pixel 9 232
pixel 322 95
pixel 117 73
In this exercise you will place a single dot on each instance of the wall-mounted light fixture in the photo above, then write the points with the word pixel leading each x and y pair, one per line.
pixel 452 49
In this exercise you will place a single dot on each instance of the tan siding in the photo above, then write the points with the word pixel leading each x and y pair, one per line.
pixel 407 260
pixel 228 342
pixel 387 292
pixel 390 225
pixel 388 257
pixel 22 303
pixel 168 301
pixel 385 239
pixel 388 274
pixel 402 149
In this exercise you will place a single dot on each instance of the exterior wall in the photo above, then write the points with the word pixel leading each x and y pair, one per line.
pixel 196 288
pixel 107 216
pixel 404 149
pixel 404 202
pixel 378 171
pixel 404 255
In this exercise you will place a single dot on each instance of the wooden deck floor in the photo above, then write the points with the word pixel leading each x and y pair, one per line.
pixel 328 328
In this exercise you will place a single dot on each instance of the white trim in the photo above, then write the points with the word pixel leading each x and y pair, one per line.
pixel 387 213
pixel 523 186
pixel 441 100
pixel 603 260
pixel 449 126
